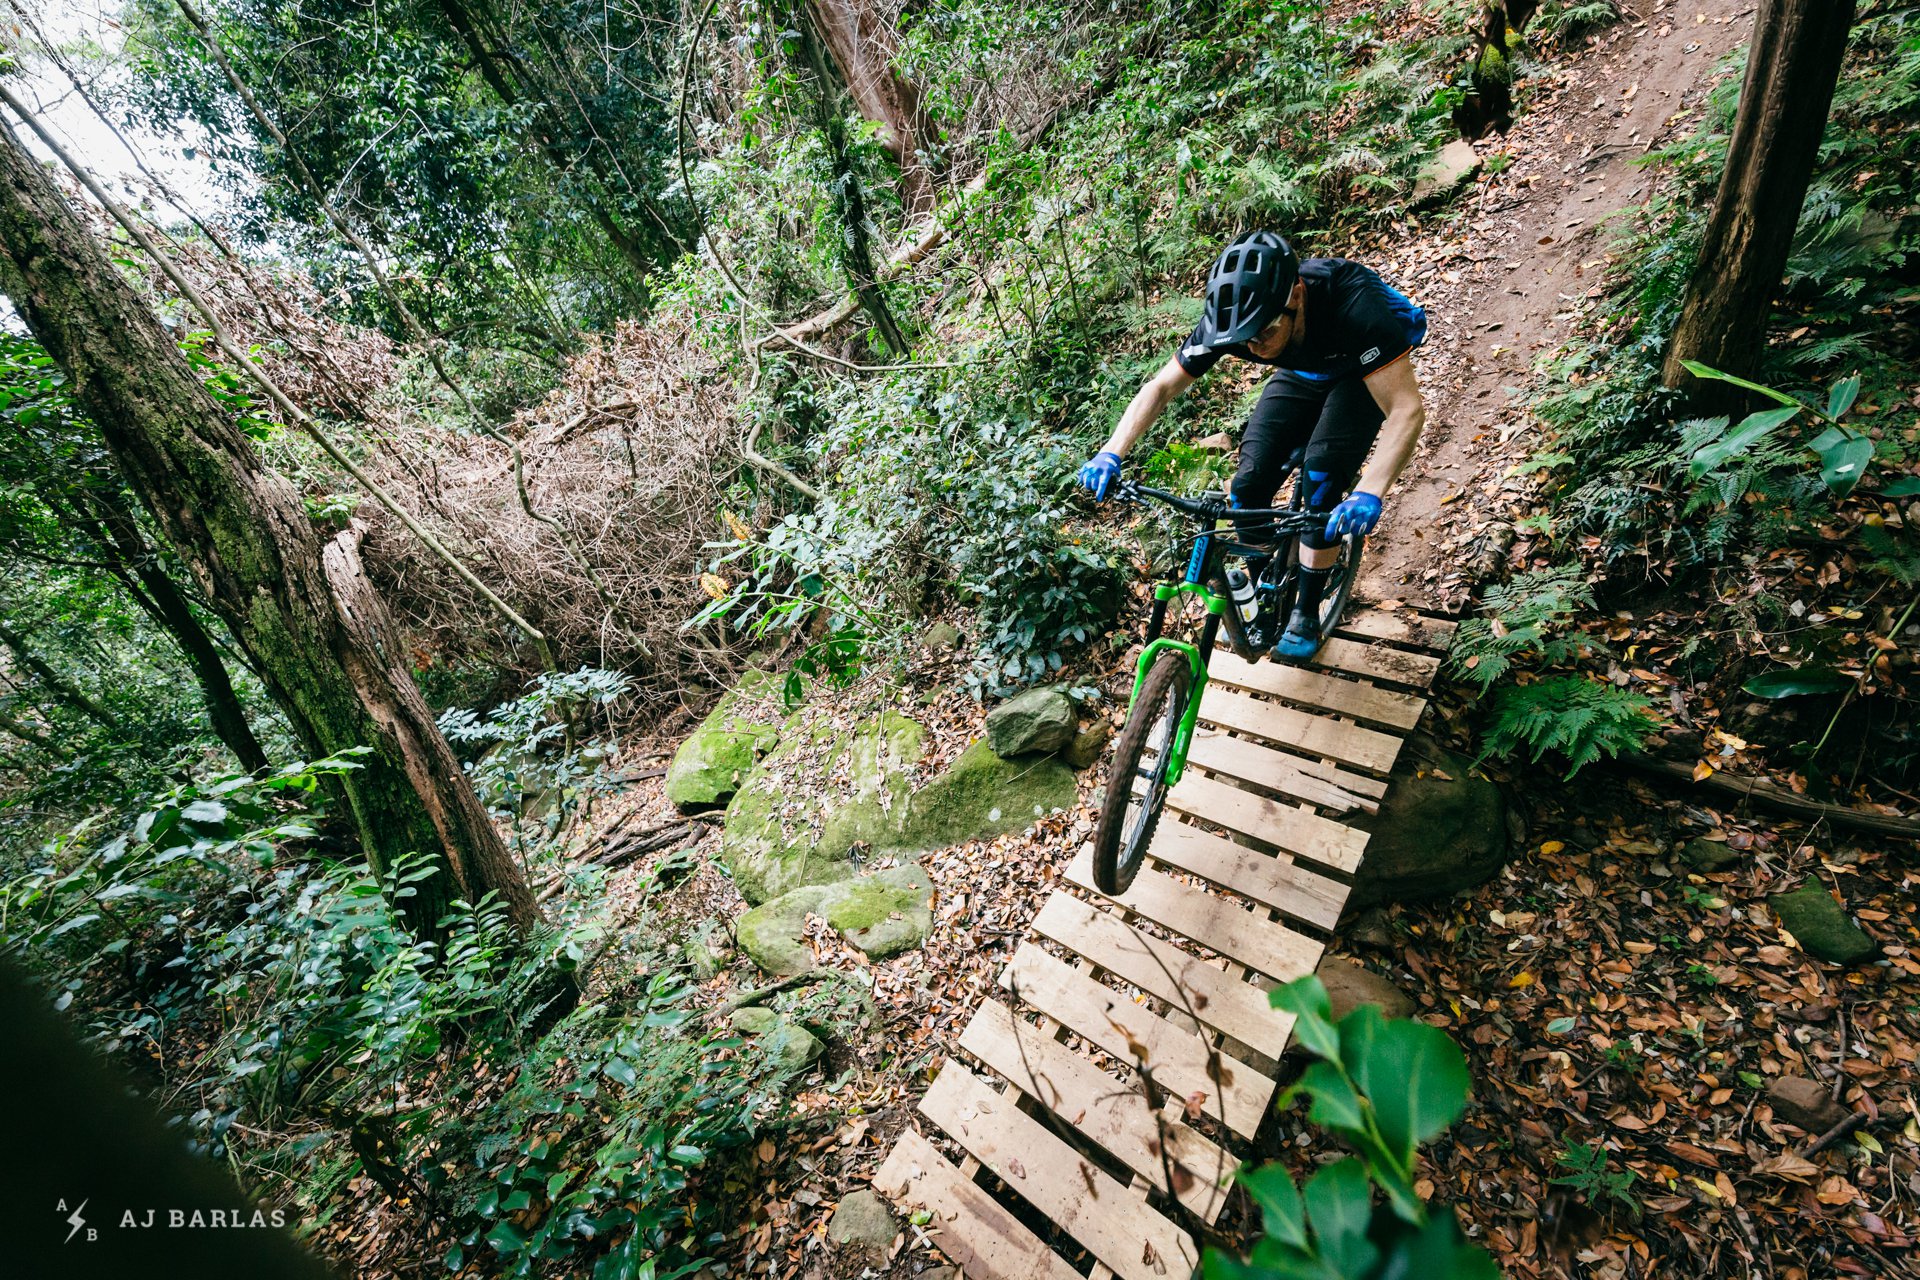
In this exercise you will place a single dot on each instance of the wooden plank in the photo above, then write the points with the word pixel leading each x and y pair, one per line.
pixel 1085 1202
pixel 1270 879
pixel 1399 627
pixel 1377 662
pixel 1276 771
pixel 1316 689
pixel 1219 924
pixel 1100 1014
pixel 1301 832
pixel 1119 1118
pixel 1162 970
pixel 1299 731
pixel 984 1240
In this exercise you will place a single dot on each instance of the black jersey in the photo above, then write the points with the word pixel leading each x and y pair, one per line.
pixel 1356 323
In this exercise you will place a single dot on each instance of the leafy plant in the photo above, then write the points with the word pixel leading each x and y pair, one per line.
pixel 1384 1086
pixel 1529 614
pixel 1589 1175
pixel 1580 718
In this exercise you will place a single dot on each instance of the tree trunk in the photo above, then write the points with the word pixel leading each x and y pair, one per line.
pixel 1792 66
pixel 856 253
pixel 862 44
pixel 118 535
pixel 298 606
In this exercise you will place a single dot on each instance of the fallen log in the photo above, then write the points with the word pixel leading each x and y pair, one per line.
pixel 1760 791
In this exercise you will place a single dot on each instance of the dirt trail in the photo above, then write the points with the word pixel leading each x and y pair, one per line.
pixel 1503 270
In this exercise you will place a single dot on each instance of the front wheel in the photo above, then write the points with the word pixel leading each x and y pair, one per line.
pixel 1137 786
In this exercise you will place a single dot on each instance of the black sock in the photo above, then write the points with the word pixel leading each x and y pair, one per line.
pixel 1311 584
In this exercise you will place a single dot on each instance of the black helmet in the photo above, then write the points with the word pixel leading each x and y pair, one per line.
pixel 1248 287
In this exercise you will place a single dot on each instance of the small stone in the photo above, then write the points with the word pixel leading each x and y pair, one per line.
pixel 1821 926
pixel 754 1020
pixel 1803 1102
pixel 1708 856
pixel 1349 986
pixel 1089 744
pixel 791 1047
pixel 1446 171
pixel 863 1221
pixel 942 637
pixel 1039 720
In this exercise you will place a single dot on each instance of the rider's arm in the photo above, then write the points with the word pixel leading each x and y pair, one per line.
pixel 1148 404
pixel 1397 392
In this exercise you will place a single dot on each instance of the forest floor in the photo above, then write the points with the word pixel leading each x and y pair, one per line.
pixel 1623 1013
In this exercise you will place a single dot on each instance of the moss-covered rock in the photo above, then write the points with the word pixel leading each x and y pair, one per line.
pixel 1036 721
pixel 821 793
pixel 982 795
pixel 787 1044
pixel 710 765
pixel 882 914
pixel 1821 926
pixel 1441 828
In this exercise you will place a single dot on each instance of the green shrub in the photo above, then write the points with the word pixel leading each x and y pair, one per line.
pixel 1383 1086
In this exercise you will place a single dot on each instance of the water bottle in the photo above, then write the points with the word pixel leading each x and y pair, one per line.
pixel 1242 588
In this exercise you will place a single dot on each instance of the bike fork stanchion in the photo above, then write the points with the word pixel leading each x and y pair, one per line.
pixel 1196 666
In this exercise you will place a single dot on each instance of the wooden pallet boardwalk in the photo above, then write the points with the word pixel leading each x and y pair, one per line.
pixel 1069 1167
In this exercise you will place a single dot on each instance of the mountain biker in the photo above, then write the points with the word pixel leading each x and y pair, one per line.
pixel 1338 337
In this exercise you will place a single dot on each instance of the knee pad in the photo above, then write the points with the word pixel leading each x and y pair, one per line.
pixel 1323 490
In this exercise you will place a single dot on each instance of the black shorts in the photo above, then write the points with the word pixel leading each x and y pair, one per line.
pixel 1335 423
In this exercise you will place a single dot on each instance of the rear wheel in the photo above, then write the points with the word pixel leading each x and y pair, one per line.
pixel 1137 786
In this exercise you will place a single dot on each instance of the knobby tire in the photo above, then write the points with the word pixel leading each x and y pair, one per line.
pixel 1120 848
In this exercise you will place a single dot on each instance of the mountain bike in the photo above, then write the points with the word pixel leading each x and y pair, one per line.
pixel 1172 673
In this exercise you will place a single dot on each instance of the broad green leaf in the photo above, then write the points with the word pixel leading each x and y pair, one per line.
pixel 1841 395
pixel 1904 487
pixel 1436 1252
pixel 1270 1261
pixel 1271 1187
pixel 506 1238
pixel 1340 1206
pixel 1306 999
pixel 1843 462
pixel 1752 429
pixel 1414 1075
pixel 1699 370
pixel 1560 1026
pixel 1798 681
pixel 1335 1104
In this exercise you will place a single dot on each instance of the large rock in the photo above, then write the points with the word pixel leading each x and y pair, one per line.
pixel 1445 172
pixel 882 914
pixel 1821 926
pixel 863 1221
pixel 709 766
pixel 1349 986
pixel 1441 828
pixel 982 794
pixel 1038 720
pixel 781 832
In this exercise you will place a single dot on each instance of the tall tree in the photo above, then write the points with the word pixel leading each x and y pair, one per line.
pixel 862 43
pixel 1793 64
pixel 297 603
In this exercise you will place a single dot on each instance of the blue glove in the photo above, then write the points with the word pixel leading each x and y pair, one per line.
pixel 1099 473
pixel 1358 514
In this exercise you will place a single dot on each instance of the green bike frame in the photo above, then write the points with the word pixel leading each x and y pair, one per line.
pixel 1216 605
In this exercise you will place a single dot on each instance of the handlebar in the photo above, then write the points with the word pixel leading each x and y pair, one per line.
pixel 1221 509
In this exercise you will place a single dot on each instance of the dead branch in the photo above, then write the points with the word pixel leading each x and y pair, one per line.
pixel 1774 797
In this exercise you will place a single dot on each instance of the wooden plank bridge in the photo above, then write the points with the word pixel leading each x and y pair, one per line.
pixel 1063 1175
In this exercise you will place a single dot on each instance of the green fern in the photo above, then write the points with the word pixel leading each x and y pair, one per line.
pixel 1579 718
pixel 1528 614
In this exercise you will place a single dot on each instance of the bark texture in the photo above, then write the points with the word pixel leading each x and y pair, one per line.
pixel 862 44
pixel 1792 66
pixel 297 604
